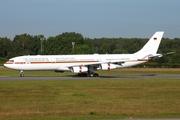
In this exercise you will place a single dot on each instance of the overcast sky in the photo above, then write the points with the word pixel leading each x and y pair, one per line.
pixel 91 18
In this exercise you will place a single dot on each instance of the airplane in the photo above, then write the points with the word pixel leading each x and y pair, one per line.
pixel 85 65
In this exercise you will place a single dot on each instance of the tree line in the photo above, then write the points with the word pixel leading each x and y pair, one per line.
pixel 74 43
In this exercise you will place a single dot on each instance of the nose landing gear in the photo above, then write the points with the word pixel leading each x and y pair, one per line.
pixel 21 73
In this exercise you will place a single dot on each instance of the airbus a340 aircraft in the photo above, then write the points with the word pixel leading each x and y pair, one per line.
pixel 85 65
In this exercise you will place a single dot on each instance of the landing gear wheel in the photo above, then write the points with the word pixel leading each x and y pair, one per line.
pixel 90 75
pixel 82 74
pixel 21 75
pixel 96 75
pixel 93 75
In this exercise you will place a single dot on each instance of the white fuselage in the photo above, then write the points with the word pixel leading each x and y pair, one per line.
pixel 64 62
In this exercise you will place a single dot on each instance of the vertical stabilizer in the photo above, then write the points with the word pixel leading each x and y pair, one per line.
pixel 152 45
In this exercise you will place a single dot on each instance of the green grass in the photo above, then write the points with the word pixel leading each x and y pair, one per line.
pixel 81 99
pixel 90 99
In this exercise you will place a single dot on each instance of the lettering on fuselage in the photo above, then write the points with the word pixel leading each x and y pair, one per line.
pixel 65 59
pixel 36 59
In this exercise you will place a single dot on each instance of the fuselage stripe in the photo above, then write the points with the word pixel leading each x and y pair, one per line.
pixel 67 62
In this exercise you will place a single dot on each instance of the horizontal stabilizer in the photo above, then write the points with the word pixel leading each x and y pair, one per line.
pixel 160 55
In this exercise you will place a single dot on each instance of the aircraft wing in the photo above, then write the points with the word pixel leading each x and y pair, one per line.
pixel 97 63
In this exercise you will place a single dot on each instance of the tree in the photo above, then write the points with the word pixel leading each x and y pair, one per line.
pixel 104 49
pixel 119 51
pixel 82 49
pixel 25 44
pixel 6 48
pixel 62 44
pixel 52 46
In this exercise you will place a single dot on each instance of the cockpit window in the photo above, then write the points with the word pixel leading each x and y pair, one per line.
pixel 10 60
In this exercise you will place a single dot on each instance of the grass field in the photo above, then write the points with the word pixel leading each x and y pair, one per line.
pixel 90 99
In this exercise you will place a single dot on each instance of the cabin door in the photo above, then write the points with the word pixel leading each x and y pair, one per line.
pixel 53 60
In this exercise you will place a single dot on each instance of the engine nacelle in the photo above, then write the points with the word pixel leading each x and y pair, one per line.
pixel 107 66
pixel 79 69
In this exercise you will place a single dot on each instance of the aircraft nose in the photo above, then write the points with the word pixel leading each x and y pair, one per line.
pixel 5 65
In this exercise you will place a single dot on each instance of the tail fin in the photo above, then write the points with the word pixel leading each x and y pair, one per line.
pixel 152 45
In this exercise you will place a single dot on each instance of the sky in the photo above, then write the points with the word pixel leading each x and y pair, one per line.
pixel 91 18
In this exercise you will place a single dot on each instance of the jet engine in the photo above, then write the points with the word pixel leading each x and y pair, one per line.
pixel 107 66
pixel 79 69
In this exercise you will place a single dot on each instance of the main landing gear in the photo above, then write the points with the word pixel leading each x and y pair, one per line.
pixel 93 75
pixel 21 73
pixel 88 74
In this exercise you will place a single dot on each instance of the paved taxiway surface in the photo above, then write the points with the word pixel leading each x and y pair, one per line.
pixel 151 76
